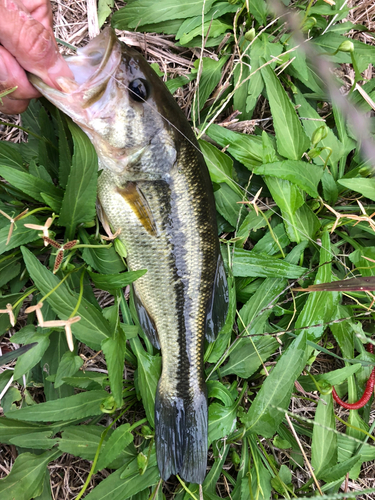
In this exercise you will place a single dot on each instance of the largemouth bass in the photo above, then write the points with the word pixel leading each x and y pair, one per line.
pixel 156 188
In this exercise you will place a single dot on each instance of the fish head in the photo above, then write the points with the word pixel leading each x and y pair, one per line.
pixel 119 101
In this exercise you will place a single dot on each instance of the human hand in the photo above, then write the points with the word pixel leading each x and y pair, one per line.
pixel 27 44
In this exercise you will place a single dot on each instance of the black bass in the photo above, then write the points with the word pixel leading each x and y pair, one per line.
pixel 156 188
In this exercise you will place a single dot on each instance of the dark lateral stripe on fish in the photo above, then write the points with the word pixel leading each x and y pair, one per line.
pixel 164 194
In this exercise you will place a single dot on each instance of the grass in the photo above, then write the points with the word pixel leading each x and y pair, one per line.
pixel 292 165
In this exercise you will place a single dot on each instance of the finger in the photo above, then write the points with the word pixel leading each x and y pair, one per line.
pixel 40 10
pixel 30 43
pixel 13 106
pixel 12 75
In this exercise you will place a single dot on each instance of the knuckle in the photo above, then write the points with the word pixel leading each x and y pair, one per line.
pixel 37 39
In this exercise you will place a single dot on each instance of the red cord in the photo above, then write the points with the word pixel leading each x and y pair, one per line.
pixel 367 393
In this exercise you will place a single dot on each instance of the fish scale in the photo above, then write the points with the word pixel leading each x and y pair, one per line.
pixel 156 188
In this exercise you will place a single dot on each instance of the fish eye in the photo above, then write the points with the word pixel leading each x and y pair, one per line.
pixel 138 90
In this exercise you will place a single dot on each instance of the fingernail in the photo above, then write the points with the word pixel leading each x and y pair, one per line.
pixel 59 69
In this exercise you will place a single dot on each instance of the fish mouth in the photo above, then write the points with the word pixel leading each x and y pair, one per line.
pixel 93 66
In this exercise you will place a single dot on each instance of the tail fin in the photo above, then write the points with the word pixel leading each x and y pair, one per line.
pixel 181 436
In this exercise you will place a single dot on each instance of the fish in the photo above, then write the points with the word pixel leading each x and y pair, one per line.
pixel 155 188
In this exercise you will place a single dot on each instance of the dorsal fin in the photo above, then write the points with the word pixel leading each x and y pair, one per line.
pixel 217 307
pixel 137 201
pixel 146 321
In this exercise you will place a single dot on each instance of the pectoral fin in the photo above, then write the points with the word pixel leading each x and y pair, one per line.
pixel 134 197
pixel 217 308
pixel 146 321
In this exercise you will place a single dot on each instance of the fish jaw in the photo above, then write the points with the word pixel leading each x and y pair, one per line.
pixel 83 98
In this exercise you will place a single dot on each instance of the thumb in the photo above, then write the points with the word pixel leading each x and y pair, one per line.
pixel 32 45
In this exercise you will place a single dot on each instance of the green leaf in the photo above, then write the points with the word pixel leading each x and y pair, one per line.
pixel 10 429
pixel 328 43
pixel 140 12
pixel 218 10
pixel 85 404
pixel 20 236
pixel 32 357
pixel 210 77
pixel 119 440
pixel 112 282
pixel 365 187
pixel 291 139
pixel 249 264
pixel 302 225
pixel 247 149
pixel 344 332
pixel 47 148
pixel 331 141
pixel 217 390
pixel 272 242
pixel 78 204
pixel 125 483
pixel 10 356
pixel 175 83
pixel 241 83
pixel 266 412
pixel 36 440
pixel 88 380
pixel 9 268
pixel 300 221
pixel 265 47
pixel 320 307
pixel 68 366
pixel 92 328
pixel 338 471
pixel 65 156
pixel 50 363
pixel 10 157
pixel 219 165
pixel 148 370
pixel 336 377
pixel 227 204
pixel 25 480
pixel 298 60
pixel 114 350
pixel 254 314
pixel 330 191
pixel 104 260
pixel 209 484
pixel 213 28
pixel 221 420
pixel 269 151
pixel 364 265
pixel 258 8
pixel 248 355
pixel 324 440
pixel 252 222
pixel 81 441
pixel 287 196
pixel 104 10
pixel 304 175
pixel 30 185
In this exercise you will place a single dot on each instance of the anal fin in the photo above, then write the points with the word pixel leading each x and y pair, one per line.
pixel 217 308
